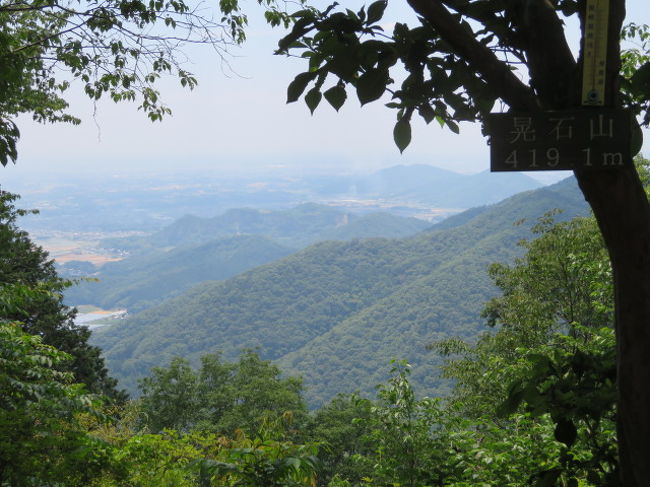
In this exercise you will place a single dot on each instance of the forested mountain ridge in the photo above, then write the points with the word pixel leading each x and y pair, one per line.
pixel 204 249
pixel 445 301
pixel 337 311
pixel 141 281
pixel 295 227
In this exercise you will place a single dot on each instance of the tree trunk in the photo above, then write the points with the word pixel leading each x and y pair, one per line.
pixel 622 210
pixel 616 197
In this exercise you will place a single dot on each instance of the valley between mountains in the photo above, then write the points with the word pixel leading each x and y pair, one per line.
pixel 330 312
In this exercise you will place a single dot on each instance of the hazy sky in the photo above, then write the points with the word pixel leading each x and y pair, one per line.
pixel 239 120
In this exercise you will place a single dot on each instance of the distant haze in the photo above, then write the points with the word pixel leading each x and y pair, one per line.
pixel 237 121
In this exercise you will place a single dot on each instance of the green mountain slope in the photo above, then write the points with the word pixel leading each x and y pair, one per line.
pixel 295 227
pixel 382 225
pixel 336 312
pixel 144 280
pixel 440 302
pixel 205 249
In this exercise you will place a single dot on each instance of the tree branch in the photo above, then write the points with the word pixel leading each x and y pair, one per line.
pixel 551 65
pixel 495 72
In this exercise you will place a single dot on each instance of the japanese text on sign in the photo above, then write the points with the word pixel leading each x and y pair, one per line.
pixel 559 140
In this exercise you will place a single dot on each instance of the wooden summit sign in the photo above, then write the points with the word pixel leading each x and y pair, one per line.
pixel 583 138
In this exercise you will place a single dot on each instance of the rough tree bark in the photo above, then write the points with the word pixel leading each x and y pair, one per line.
pixel 617 199
pixel 623 214
pixel 622 210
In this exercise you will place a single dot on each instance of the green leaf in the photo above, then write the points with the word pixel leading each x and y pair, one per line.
pixel 293 462
pixel 371 85
pixel 313 98
pixel 344 66
pixel 641 81
pixel 298 85
pixel 336 97
pixel 376 11
pixel 427 112
pixel 402 134
pixel 512 402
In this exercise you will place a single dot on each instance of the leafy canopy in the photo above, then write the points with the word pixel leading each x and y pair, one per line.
pixel 42 439
pixel 113 48
pixel 31 295
pixel 221 397
pixel 452 67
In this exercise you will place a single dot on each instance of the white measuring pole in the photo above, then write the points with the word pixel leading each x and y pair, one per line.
pixel 595 52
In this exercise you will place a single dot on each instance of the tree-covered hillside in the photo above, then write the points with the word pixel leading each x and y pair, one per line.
pixel 193 250
pixel 335 311
pixel 440 300
pixel 537 391
pixel 295 227
pixel 150 277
